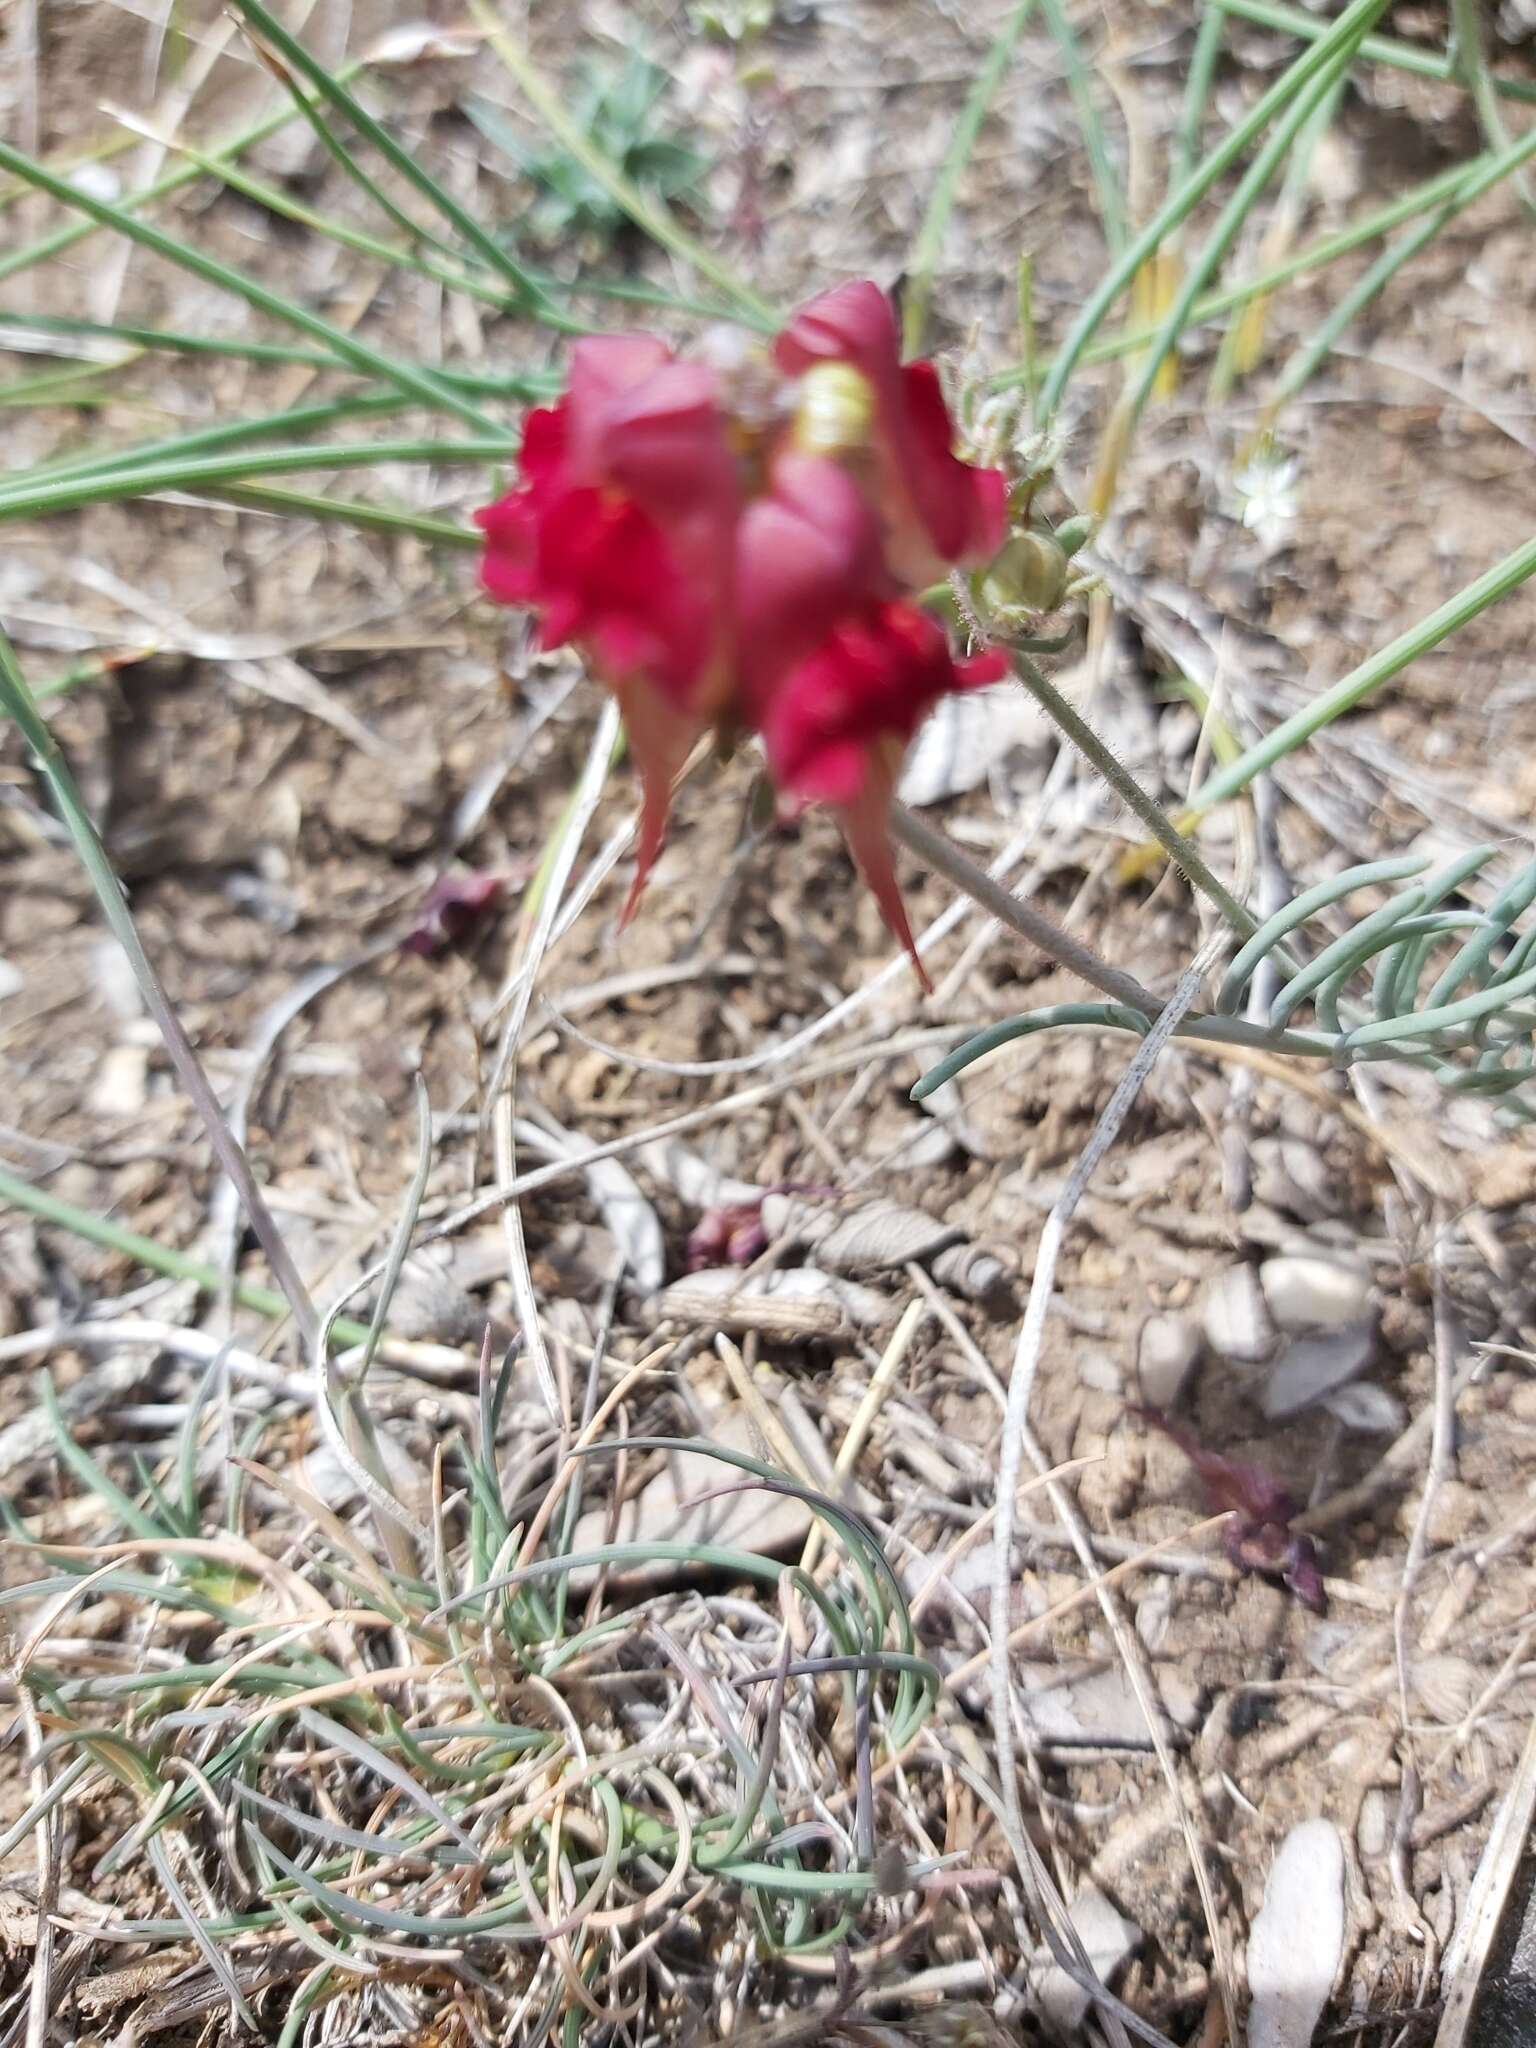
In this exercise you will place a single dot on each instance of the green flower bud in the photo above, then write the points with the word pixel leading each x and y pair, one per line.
pixel 1030 575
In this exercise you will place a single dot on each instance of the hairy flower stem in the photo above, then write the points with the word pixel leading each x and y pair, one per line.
pixel 946 859
pixel 1130 792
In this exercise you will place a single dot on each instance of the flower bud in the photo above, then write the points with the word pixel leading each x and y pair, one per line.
pixel 1030 575
pixel 834 410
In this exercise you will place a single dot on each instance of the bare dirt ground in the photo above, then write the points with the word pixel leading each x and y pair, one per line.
pixel 282 781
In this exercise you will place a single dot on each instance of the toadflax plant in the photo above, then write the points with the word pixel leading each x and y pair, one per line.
pixel 735 542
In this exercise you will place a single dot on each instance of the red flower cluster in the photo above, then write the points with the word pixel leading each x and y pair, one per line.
pixel 734 542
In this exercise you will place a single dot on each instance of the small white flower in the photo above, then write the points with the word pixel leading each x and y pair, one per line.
pixel 1266 488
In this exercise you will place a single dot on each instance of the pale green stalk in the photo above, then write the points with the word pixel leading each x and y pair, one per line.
pixel 1340 34
pixel 1314 93
pixel 1111 206
pixel 930 236
pixel 333 89
pixel 1377 669
pixel 67 494
pixel 420 384
pixel 60 239
pixel 1295 21
pixel 16 701
pixel 1304 363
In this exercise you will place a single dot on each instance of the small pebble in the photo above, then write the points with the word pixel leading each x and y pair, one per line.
pixel 1289 1174
pixel 1506 1176
pixel 1102 1374
pixel 1234 1317
pixel 1297 1938
pixel 1108 1939
pixel 121 1084
pixel 1307 1293
pixel 1371 1828
pixel 1169 1351
pixel 1370 1410
pixel 1310 1367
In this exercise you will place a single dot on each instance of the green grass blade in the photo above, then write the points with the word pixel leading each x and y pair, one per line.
pixel 308 110
pixel 1475 72
pixel 398 255
pixel 166 338
pixel 930 236
pixel 69 493
pixel 68 386
pixel 1111 204
pixel 160 1856
pixel 401 1242
pixel 61 239
pixel 1295 21
pixel 420 384
pixel 1177 208
pixel 1315 93
pixel 334 89
pixel 16 701
pixel 1444 185
pixel 148 1252
pixel 1303 365
pixel 386 519
pixel 1197 92
pixel 1377 669
pixel 295 423
pixel 1242 344
pixel 89 1473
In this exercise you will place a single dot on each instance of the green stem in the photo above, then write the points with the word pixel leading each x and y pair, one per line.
pixel 1379 668
pixel 99 488
pixel 952 862
pixel 148 1252
pixel 420 384
pixel 16 700
pixel 1337 35
pixel 1295 21
pixel 930 236
pixel 1132 795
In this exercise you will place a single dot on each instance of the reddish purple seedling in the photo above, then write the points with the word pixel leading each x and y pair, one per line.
pixel 454 906
pixel 732 1233
pixel 1258 1535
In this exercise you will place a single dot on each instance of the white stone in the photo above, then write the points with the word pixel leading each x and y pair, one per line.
pixel 1309 1293
pixel 1311 1367
pixel 1108 1939
pixel 1234 1316
pixel 1297 1938
pixel 1169 1352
